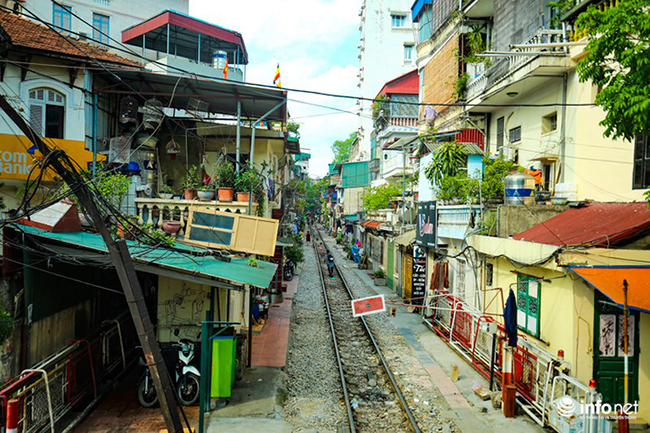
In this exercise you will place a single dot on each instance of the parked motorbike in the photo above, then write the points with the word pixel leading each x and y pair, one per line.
pixel 187 377
pixel 288 269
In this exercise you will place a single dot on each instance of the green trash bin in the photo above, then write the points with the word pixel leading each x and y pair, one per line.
pixel 223 366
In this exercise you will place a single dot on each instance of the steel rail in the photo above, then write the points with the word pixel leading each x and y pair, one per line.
pixel 344 384
pixel 384 363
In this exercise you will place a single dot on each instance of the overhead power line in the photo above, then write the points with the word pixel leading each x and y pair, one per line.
pixel 289 89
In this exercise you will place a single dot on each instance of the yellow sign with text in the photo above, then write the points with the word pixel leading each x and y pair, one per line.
pixel 18 155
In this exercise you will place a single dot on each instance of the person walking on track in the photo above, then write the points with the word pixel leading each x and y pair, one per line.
pixel 329 260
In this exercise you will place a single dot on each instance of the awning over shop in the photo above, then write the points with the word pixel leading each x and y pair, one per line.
pixel 406 239
pixel 177 91
pixel 352 218
pixel 183 262
pixel 609 281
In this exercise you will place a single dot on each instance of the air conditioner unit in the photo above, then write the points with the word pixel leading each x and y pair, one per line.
pixel 504 152
pixel 83 36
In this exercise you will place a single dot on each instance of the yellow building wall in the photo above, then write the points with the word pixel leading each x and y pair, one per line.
pixel 183 305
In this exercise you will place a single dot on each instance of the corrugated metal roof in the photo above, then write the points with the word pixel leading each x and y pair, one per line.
pixel 237 270
pixel 371 224
pixel 596 224
pixel 405 84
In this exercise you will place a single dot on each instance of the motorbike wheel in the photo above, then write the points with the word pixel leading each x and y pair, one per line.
pixel 147 399
pixel 288 275
pixel 188 390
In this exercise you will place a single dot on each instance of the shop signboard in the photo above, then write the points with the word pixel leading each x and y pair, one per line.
pixel 419 275
pixel 426 234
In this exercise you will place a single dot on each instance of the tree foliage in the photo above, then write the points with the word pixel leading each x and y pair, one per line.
pixel 343 148
pixel 379 197
pixel 618 62
pixel 448 160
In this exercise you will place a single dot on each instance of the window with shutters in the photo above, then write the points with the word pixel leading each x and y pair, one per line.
pixel 100 28
pixel 641 162
pixel 500 131
pixel 62 17
pixel 528 304
pixel 46 112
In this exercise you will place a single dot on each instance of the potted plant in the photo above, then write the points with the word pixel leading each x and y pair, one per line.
pixel 171 227
pixel 166 192
pixel 225 176
pixel 205 192
pixel 190 183
pixel 380 277
pixel 248 180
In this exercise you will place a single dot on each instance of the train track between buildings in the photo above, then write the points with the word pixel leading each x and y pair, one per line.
pixel 373 399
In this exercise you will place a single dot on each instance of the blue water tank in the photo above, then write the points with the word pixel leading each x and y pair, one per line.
pixel 520 189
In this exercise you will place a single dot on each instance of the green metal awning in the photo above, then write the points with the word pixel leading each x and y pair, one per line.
pixel 352 217
pixel 182 262
pixel 405 239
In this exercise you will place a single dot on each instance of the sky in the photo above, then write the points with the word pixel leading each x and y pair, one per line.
pixel 315 42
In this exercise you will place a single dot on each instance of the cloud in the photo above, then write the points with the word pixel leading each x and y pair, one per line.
pixel 315 43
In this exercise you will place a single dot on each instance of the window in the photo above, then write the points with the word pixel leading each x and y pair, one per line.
pixel 46 112
pixel 641 162
pixel 408 53
pixel 549 123
pixel 100 28
pixel 547 176
pixel 500 130
pixel 62 17
pixel 489 274
pixel 404 110
pixel 528 304
pixel 398 20
pixel 514 135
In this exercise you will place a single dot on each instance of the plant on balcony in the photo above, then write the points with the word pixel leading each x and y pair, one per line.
pixel 156 237
pixel 448 160
pixel 379 197
pixel 460 87
pixel 380 107
pixel 166 192
pixel 225 178
pixel 190 183
pixel 495 171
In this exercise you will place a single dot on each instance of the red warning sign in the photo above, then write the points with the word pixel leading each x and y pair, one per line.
pixel 370 305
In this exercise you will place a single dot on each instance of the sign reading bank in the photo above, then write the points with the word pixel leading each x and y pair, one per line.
pixel 18 155
pixel 426 234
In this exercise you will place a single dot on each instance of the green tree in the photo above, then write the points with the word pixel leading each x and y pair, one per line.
pixel 293 127
pixel 343 148
pixel 379 197
pixel 618 62
pixel 448 160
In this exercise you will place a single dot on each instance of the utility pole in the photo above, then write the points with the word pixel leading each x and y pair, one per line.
pixel 120 257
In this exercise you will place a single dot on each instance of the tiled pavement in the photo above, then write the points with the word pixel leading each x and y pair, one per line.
pixel 270 346
pixel 121 412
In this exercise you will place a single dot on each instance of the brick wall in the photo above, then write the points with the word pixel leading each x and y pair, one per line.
pixel 440 75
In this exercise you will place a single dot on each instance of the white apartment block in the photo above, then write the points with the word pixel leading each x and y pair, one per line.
pixel 386 50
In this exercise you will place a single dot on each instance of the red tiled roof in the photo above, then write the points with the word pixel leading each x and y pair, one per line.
pixel 371 224
pixel 28 34
pixel 406 84
pixel 596 224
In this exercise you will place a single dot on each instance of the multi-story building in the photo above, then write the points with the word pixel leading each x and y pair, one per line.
pixel 386 50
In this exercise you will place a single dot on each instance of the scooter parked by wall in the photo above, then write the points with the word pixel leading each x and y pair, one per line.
pixel 186 374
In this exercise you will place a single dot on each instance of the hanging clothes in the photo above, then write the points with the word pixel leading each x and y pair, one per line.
pixel 510 319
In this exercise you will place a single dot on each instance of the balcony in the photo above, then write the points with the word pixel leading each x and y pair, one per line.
pixel 150 210
pixel 454 221
pixel 393 167
pixel 478 8
pixel 171 65
pixel 520 72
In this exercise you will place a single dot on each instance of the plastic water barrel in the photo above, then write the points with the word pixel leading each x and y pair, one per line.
pixel 219 59
pixel 520 189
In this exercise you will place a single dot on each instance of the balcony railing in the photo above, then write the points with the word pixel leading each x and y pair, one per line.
pixel 156 210
pixel 480 82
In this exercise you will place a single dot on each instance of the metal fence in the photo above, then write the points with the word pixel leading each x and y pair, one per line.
pixel 541 378
pixel 68 378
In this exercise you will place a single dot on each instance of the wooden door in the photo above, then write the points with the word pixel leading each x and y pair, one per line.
pixel 407 275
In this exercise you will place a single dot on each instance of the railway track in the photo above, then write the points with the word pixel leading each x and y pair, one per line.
pixel 373 399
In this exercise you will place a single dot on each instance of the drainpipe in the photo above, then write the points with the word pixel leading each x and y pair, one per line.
pixel 563 127
pixel 238 141
pixel 95 116
pixel 251 160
